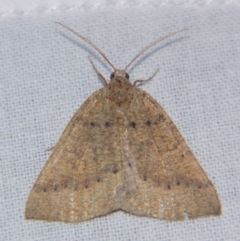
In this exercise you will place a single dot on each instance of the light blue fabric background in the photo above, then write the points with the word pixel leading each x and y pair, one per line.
pixel 45 76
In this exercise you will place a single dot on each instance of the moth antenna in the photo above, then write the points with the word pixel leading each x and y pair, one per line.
pixel 89 42
pixel 152 44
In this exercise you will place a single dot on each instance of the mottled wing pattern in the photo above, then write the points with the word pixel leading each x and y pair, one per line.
pixel 170 183
pixel 78 182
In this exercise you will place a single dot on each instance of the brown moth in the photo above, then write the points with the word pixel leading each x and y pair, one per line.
pixel 121 151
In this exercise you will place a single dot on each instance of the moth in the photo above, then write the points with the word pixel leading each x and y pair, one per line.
pixel 121 151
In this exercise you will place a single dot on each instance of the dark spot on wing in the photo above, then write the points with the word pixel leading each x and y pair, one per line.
pixel 56 188
pixel 148 123
pixel 92 123
pixel 107 124
pixel 133 124
pixel 160 118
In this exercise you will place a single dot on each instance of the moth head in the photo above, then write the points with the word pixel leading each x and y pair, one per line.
pixel 120 90
pixel 119 75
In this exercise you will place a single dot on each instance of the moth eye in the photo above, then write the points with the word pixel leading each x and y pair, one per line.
pixel 126 75
pixel 112 75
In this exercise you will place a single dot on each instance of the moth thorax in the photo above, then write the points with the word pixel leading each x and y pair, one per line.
pixel 120 91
